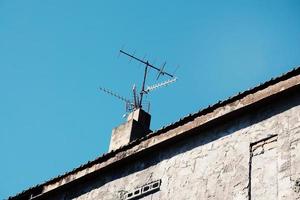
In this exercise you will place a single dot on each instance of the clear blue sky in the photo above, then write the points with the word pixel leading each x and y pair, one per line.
pixel 55 53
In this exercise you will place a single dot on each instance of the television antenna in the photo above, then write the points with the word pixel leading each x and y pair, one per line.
pixel 137 99
pixel 130 105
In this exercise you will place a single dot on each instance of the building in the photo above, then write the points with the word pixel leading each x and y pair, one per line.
pixel 246 147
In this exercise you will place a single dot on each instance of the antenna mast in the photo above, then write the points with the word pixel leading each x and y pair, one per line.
pixel 137 98
pixel 147 66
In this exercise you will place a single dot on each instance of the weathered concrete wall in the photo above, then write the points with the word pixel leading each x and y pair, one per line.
pixel 254 156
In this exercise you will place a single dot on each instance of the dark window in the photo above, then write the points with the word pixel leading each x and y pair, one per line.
pixel 146 188
pixel 137 192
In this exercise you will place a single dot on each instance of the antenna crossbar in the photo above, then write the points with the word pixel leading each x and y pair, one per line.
pixel 114 94
pixel 146 63
pixel 156 86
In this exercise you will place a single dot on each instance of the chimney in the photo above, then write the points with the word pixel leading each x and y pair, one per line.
pixel 136 126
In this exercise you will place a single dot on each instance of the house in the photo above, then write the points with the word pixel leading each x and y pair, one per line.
pixel 245 147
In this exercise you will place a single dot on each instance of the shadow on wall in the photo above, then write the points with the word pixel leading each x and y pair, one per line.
pixel 198 137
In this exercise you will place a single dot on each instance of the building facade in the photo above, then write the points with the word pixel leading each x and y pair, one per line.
pixel 246 147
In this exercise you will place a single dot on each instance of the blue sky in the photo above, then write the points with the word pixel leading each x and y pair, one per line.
pixel 54 54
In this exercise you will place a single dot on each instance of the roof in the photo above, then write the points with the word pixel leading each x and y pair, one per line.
pixel 202 117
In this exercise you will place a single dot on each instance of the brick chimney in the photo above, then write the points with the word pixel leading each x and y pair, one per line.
pixel 136 126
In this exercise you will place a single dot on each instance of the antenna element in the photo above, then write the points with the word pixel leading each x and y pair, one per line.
pixel 137 101
pixel 147 67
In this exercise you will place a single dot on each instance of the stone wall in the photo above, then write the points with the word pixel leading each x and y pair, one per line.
pixel 253 156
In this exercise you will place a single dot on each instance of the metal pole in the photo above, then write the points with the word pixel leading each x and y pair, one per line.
pixel 143 86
